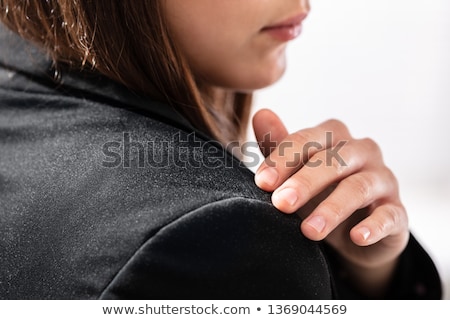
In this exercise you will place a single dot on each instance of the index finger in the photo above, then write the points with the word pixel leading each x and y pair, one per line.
pixel 295 150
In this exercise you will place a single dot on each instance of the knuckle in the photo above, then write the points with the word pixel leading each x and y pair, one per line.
pixel 390 176
pixel 371 146
pixel 302 137
pixel 336 125
pixel 316 160
pixel 392 217
pixel 333 210
pixel 397 215
pixel 379 226
pixel 363 186
pixel 305 185
pixel 338 167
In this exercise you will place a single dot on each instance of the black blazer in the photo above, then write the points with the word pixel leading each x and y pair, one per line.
pixel 108 195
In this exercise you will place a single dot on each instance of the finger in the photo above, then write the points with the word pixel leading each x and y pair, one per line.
pixel 295 150
pixel 269 130
pixel 326 168
pixel 353 193
pixel 317 174
pixel 388 220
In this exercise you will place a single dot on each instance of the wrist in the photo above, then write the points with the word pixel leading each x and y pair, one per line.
pixel 371 281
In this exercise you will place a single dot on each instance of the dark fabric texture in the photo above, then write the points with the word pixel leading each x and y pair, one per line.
pixel 108 195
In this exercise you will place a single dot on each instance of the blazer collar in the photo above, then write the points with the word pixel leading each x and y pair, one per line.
pixel 19 56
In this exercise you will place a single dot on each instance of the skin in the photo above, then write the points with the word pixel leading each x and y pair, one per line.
pixel 223 42
pixel 354 207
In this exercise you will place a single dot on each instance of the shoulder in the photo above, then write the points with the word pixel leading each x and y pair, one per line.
pixel 138 206
pixel 230 249
pixel 118 200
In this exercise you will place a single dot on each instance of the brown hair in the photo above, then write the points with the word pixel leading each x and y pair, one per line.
pixel 129 42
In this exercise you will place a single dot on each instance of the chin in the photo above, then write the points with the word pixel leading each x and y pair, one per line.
pixel 248 80
pixel 272 73
pixel 262 81
pixel 250 86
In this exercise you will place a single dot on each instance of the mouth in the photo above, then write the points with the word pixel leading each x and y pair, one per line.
pixel 286 30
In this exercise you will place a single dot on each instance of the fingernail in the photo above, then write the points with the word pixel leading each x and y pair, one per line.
pixel 268 176
pixel 365 232
pixel 288 195
pixel 317 222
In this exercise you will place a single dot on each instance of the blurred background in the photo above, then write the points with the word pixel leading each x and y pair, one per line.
pixel 383 68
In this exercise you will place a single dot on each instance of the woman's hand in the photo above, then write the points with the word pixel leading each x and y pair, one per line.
pixel 343 191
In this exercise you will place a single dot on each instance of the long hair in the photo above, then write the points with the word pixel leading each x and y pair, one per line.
pixel 129 42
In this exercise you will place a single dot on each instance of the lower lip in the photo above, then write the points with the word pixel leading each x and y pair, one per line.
pixel 285 33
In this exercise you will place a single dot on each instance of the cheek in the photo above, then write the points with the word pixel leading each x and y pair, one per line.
pixel 232 53
pixel 239 65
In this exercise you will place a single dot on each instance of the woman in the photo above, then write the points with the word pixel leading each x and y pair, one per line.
pixel 114 187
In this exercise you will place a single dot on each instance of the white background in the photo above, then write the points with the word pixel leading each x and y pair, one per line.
pixel 383 68
pixel 249 309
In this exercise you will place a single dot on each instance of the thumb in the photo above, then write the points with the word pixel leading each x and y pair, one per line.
pixel 269 130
